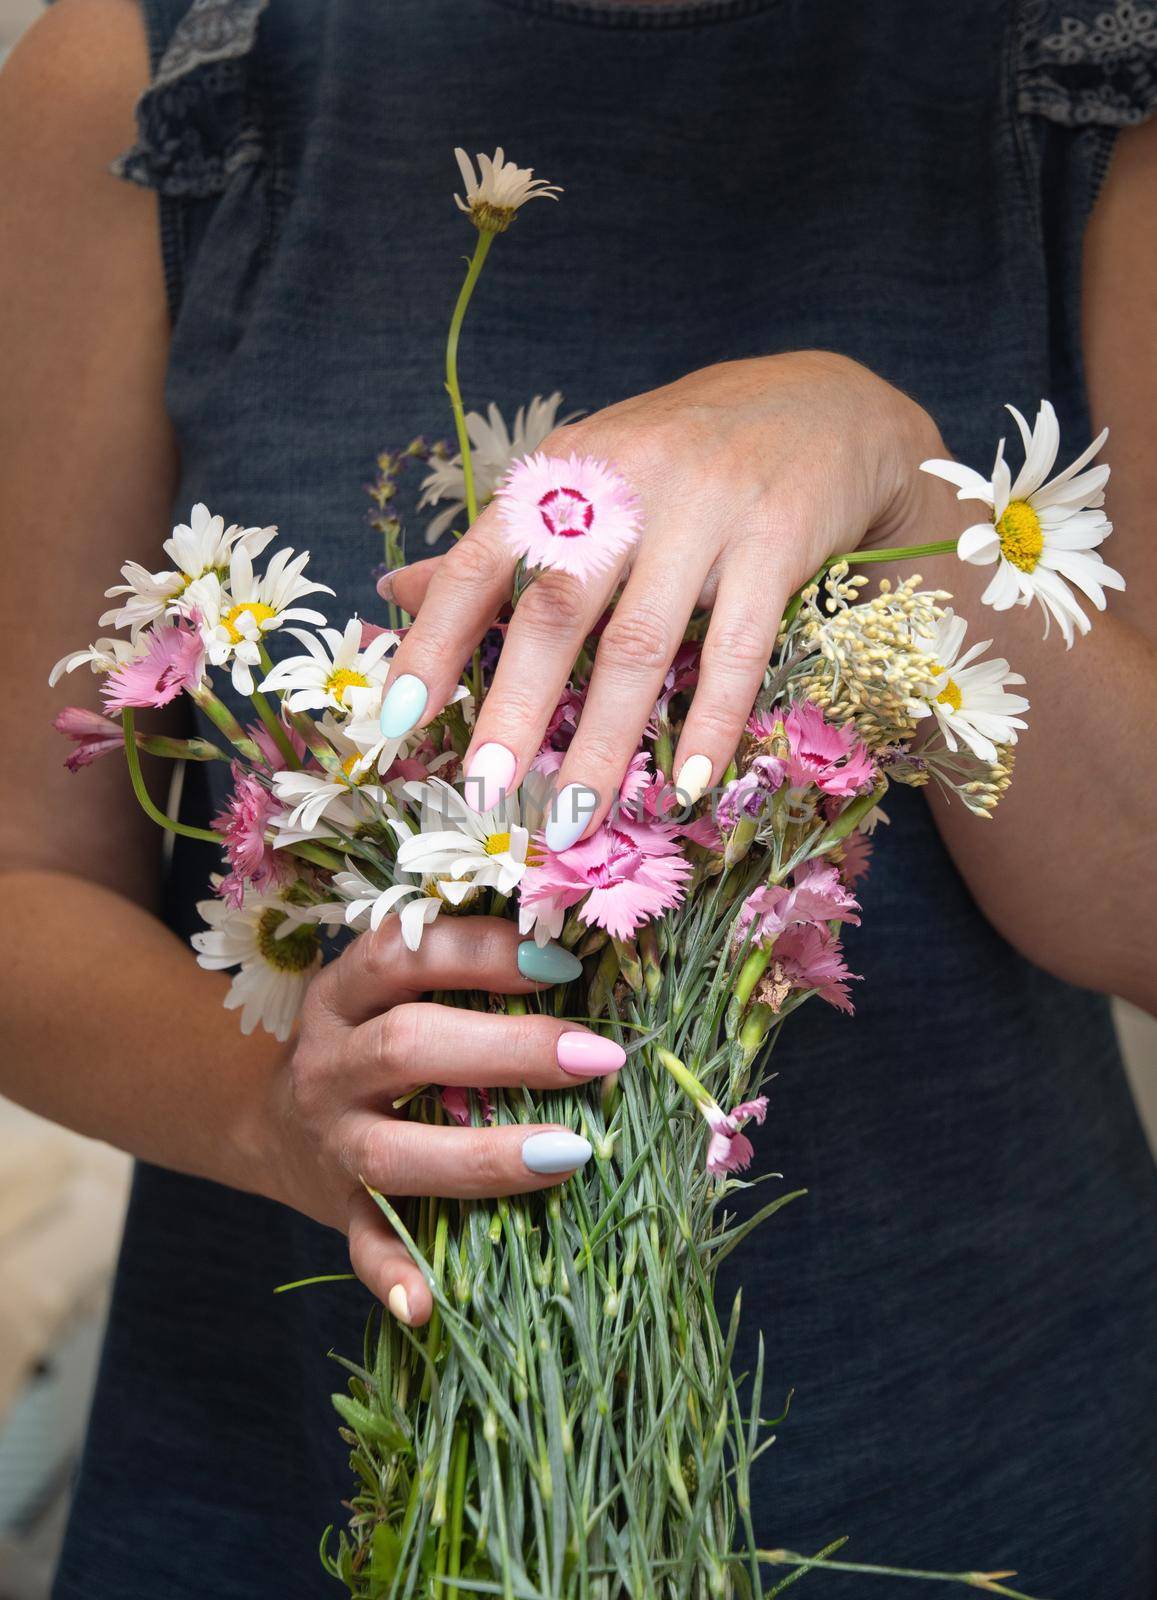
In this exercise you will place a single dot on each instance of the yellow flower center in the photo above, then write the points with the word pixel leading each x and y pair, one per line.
pixel 295 953
pixel 350 763
pixel 950 695
pixel 497 844
pixel 344 678
pixel 257 609
pixel 1021 538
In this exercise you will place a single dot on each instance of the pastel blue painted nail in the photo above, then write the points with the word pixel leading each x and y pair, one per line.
pixel 572 809
pixel 555 1152
pixel 404 703
pixel 547 963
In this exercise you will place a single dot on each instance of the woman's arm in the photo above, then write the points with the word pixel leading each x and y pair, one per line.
pixel 1067 870
pixel 107 1024
pixel 93 982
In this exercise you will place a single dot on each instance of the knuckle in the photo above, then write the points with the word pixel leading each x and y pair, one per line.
pixel 487 1162
pixel 473 563
pixel 400 1033
pixel 373 1156
pixel 742 642
pixel 638 639
pixel 553 601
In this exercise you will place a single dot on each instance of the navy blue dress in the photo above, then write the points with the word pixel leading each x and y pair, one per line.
pixel 966 1302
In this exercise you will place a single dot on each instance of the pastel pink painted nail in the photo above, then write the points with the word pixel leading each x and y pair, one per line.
pixel 489 774
pixel 588 1055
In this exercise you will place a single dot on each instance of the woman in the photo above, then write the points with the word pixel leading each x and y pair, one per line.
pixel 966 1304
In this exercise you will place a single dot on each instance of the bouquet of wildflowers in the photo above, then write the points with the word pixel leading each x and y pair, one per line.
pixel 569 1422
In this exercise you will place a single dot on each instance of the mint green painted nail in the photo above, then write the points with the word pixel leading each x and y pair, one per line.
pixel 547 963
pixel 404 703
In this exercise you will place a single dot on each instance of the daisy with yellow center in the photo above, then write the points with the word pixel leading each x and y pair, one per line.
pixel 1042 533
pixel 496 192
pixel 969 698
pixel 197 548
pixel 275 948
pixel 333 671
pixel 460 848
pixel 236 615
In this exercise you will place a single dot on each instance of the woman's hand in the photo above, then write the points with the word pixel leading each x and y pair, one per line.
pixel 368 1039
pixel 750 474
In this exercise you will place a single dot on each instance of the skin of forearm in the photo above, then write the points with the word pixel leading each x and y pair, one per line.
pixel 110 1027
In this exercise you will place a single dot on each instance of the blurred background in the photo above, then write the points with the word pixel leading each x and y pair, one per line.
pixel 62 1202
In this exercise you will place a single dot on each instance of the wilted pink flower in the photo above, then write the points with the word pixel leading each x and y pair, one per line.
pixel 242 826
pixel 816 896
pixel 857 857
pixel 625 874
pixel 173 663
pixel 457 1103
pixel 92 734
pixel 728 1149
pixel 682 674
pixel 577 516
pixel 269 747
pixel 809 957
pixel 745 797
pixel 832 758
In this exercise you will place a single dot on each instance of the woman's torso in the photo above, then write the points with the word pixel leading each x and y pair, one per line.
pixel 966 1301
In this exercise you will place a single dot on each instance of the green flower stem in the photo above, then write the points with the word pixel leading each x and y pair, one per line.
pixel 133 758
pixel 318 854
pixel 973 1580
pixel 155 744
pixel 473 273
pixel 453 389
pixel 753 968
pixel 275 728
pixel 221 717
pixel 459 1463
pixel 686 1079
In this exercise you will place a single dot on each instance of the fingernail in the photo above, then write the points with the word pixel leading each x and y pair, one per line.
pixel 573 808
pixel 399 1304
pixel 385 584
pixel 547 963
pixel 489 774
pixel 555 1152
pixel 694 776
pixel 588 1055
pixel 404 703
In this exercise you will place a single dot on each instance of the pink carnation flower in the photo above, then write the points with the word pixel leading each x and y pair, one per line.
pixel 243 825
pixel 728 1149
pixel 857 857
pixel 173 663
pixel 269 747
pixel 92 734
pixel 625 874
pixel 577 516
pixel 832 758
pixel 810 957
pixel 816 897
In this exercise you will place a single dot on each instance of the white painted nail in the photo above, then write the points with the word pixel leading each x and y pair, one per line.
pixel 694 776
pixel 551 1152
pixel 572 809
pixel 399 1304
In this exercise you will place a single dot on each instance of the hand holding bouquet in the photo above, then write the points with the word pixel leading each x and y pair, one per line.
pixel 567 1423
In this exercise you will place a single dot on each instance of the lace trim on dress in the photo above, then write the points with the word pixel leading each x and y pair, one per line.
pixel 1088 65
pixel 196 122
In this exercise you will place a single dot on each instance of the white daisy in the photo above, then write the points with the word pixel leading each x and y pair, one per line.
pixel 1039 533
pixel 276 949
pixel 461 848
pixel 327 672
pixel 106 655
pixel 364 906
pixel 236 615
pixel 495 193
pixel 969 698
pixel 493 449
pixel 323 803
pixel 202 545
